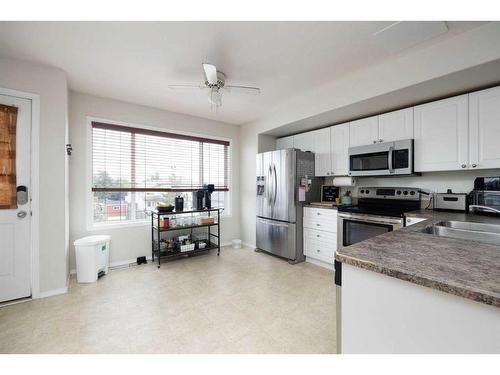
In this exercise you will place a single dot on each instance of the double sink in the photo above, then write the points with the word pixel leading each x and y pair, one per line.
pixel 487 233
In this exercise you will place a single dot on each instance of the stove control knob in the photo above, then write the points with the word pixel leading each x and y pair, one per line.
pixel 412 192
pixel 398 192
pixel 367 191
pixel 362 191
pixel 405 192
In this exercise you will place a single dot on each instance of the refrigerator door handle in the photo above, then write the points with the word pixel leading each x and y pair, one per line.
pixel 268 185
pixel 273 223
pixel 275 184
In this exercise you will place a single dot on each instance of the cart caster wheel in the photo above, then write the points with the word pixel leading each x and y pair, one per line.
pixel 256 250
pixel 158 266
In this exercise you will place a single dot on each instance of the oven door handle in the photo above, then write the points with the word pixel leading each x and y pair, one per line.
pixel 391 154
pixel 376 221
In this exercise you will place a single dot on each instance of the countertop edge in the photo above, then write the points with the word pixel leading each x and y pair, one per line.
pixel 420 280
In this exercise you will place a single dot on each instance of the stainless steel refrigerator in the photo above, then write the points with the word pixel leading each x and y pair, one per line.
pixel 280 174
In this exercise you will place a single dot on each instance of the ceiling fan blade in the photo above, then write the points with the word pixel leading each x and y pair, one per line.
pixel 186 87
pixel 210 73
pixel 243 89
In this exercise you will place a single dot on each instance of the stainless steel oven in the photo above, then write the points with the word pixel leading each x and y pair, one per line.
pixel 354 228
pixel 382 159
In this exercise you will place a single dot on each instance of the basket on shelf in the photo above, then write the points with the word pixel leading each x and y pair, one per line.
pixel 185 248
pixel 207 220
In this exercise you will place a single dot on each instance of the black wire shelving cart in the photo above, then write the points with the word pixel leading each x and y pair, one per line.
pixel 160 252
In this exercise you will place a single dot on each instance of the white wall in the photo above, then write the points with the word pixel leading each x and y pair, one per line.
pixel 463 51
pixel 51 85
pixel 130 242
pixel 457 181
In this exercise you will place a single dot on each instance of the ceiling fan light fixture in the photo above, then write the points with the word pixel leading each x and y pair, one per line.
pixel 215 97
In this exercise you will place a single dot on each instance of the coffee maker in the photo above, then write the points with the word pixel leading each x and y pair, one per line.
pixel 209 189
pixel 203 198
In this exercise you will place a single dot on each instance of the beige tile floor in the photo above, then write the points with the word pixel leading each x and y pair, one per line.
pixel 240 302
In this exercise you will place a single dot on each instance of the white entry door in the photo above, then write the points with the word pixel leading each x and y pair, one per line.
pixel 15 231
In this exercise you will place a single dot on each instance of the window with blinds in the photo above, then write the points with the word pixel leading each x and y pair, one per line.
pixel 133 169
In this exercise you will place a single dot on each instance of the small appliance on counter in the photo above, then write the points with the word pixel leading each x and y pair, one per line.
pixel 198 196
pixel 450 201
pixel 485 197
pixel 203 198
pixel 209 189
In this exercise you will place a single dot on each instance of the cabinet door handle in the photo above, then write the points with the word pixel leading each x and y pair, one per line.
pixel 380 140
pixel 474 165
pixel 318 235
pixel 317 213
pixel 318 250
pixel 464 166
pixel 374 141
pixel 318 225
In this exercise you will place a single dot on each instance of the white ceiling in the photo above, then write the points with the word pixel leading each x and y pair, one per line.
pixel 135 61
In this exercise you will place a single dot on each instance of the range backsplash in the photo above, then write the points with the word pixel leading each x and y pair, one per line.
pixel 434 182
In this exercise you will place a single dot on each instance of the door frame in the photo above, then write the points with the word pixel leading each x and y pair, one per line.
pixel 35 185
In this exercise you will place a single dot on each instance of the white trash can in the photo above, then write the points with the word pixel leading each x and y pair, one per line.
pixel 92 257
pixel 236 244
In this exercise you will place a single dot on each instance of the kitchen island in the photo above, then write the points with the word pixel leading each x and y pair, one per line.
pixel 412 292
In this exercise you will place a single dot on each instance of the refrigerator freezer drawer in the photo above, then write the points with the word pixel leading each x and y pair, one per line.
pixel 277 237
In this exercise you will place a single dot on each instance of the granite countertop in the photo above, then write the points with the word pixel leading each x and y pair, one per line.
pixel 464 268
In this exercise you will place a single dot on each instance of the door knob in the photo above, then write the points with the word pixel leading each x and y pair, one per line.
pixel 463 166
pixel 22 214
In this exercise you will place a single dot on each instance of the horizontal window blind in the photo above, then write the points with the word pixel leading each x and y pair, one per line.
pixel 126 159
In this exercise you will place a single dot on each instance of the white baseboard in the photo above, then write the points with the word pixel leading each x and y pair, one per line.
pixel 120 263
pixel 252 246
pixel 54 292
pixel 320 263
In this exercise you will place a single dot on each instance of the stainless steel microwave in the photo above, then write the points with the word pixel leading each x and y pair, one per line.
pixel 382 159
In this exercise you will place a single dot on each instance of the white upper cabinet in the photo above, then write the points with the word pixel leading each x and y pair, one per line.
pixel 484 128
pixel 340 149
pixel 285 142
pixel 397 125
pixel 363 132
pixel 322 152
pixel 304 141
pixel 441 135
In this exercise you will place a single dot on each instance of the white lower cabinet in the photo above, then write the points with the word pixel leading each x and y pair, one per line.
pixel 320 233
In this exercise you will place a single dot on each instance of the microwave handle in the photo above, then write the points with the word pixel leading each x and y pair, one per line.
pixel 391 152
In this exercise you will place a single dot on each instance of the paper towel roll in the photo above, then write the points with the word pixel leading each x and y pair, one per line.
pixel 344 181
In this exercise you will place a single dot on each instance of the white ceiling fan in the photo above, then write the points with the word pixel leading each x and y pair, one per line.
pixel 215 83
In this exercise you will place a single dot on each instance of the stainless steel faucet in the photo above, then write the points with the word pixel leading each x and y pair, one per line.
pixel 475 207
